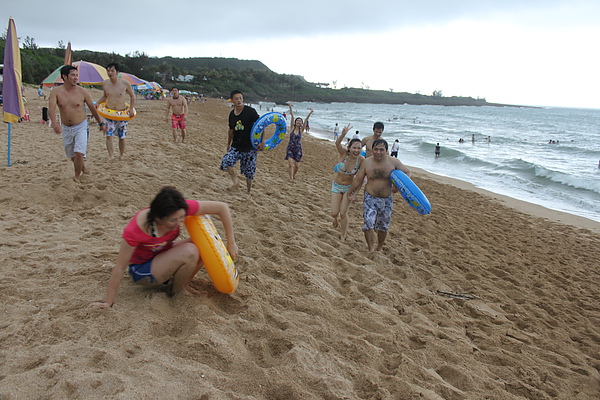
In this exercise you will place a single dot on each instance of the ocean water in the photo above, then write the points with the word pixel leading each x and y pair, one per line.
pixel 517 161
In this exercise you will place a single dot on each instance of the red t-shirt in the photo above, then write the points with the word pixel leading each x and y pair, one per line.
pixel 147 247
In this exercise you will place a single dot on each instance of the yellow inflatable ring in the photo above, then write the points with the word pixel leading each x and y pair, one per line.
pixel 214 254
pixel 115 115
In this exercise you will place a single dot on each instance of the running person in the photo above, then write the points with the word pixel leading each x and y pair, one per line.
pixel 378 202
pixel 179 107
pixel 115 89
pixel 294 149
pixel 70 99
pixel 345 170
pixel 239 146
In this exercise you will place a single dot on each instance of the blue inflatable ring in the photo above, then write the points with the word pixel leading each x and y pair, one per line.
pixel 259 127
pixel 411 192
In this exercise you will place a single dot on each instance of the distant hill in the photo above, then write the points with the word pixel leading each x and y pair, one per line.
pixel 217 77
pixel 209 63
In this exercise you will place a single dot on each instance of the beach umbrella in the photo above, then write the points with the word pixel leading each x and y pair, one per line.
pixel 149 86
pixel 89 74
pixel 132 79
pixel 13 107
pixel 143 86
pixel 53 79
pixel 68 55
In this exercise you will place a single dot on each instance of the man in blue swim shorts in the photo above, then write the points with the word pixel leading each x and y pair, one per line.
pixel 378 201
pixel 239 146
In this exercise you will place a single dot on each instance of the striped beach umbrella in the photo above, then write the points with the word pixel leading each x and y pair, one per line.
pixel 132 79
pixel 89 74
pixel 149 86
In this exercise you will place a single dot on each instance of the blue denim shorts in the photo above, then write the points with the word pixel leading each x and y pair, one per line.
pixel 140 273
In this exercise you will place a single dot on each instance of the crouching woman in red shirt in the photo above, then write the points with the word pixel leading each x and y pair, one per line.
pixel 149 248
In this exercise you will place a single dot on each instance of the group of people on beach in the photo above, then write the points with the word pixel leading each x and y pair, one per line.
pixel 149 249
pixel 351 171
pixel 71 100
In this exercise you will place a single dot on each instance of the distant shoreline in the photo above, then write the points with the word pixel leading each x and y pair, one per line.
pixel 284 103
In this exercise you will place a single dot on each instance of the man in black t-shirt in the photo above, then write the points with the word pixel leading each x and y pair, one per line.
pixel 239 146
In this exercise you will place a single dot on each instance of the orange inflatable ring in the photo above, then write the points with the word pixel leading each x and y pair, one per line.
pixel 214 254
pixel 115 115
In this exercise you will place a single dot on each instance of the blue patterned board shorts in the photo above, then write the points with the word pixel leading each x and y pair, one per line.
pixel 247 161
pixel 377 212
pixel 118 127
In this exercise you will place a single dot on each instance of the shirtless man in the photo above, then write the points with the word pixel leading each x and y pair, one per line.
pixel 179 106
pixel 74 128
pixel 368 141
pixel 115 89
pixel 378 202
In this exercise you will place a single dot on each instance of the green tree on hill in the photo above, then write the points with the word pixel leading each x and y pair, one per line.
pixel 217 76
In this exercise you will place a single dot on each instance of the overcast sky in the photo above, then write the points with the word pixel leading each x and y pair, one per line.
pixel 531 52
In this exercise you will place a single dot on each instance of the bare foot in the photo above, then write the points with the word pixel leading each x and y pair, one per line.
pixel 189 290
pixel 76 180
pixel 335 222
pixel 233 187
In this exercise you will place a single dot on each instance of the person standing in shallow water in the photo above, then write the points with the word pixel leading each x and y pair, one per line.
pixel 293 153
pixel 437 150
pixel 395 148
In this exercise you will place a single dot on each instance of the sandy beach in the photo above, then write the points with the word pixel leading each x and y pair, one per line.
pixel 486 298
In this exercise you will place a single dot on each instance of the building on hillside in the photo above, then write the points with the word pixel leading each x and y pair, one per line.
pixel 182 78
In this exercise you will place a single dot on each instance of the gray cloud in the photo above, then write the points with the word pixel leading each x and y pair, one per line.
pixel 136 24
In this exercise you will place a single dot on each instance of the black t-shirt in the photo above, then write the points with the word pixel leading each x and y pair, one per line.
pixel 242 125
